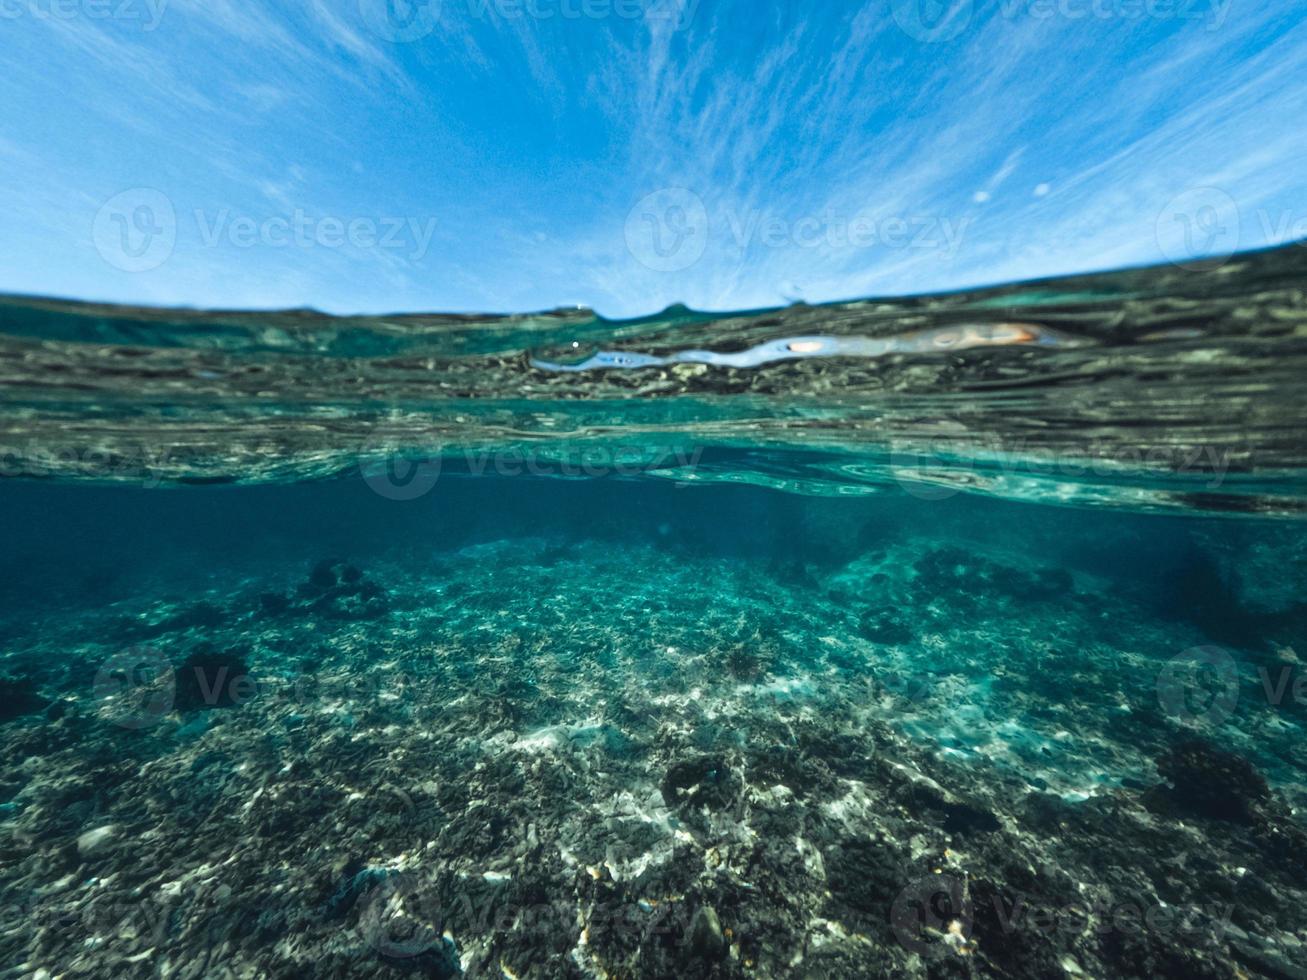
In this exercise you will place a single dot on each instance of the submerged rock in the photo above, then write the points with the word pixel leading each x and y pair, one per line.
pixel 1207 781
pixel 338 590
pixel 323 575
pixel 357 881
pixel 19 696
pixel 95 840
pixel 969 579
pixel 1265 575
pixel 886 626
pixel 273 603
pixel 706 938
pixel 706 781
pixel 213 678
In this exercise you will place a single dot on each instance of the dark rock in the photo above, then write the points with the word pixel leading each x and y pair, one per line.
pixel 440 960
pixel 955 816
pixel 706 938
pixel 199 615
pixel 1051 583
pixel 340 591
pixel 1194 591
pixel 706 781
pixel 1210 782
pixel 885 626
pixel 18 696
pixel 212 678
pixel 866 877
pixel 963 818
pixel 356 881
pixel 1004 925
pixel 802 774
pixel 323 575
pixel 273 603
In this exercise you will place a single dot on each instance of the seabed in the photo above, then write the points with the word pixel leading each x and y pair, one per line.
pixel 874 745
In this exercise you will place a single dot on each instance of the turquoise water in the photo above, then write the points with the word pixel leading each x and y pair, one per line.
pixel 949 636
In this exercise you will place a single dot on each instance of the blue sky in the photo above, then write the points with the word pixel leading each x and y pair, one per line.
pixel 511 155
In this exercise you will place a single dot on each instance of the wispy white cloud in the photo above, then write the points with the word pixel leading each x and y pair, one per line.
pixel 531 141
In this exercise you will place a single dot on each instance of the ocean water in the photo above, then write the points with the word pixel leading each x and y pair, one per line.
pixel 951 636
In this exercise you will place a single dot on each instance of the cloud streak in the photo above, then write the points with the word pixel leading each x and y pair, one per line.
pixel 815 154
